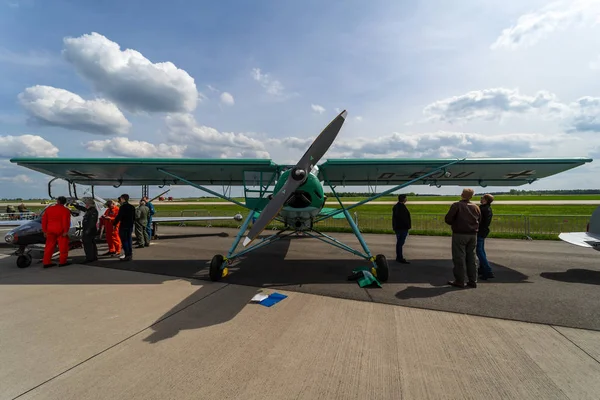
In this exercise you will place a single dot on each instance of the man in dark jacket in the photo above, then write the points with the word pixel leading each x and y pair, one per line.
pixel 401 224
pixel 125 218
pixel 485 271
pixel 464 218
pixel 89 229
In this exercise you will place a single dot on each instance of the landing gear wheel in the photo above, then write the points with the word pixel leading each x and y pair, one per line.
pixel 215 272
pixel 383 271
pixel 24 261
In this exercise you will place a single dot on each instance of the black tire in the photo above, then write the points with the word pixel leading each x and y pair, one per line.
pixel 383 271
pixel 24 261
pixel 215 272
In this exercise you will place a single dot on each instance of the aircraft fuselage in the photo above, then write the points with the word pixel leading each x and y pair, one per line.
pixel 304 204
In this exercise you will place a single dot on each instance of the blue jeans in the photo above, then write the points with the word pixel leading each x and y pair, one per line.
pixel 400 240
pixel 484 265
pixel 126 240
pixel 149 228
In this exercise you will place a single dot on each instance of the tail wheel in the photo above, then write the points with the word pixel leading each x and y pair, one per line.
pixel 216 272
pixel 383 272
pixel 24 261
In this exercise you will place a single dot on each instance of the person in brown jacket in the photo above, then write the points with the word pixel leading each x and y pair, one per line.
pixel 464 217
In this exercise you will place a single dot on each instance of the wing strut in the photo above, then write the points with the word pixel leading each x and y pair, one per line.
pixel 360 203
pixel 203 188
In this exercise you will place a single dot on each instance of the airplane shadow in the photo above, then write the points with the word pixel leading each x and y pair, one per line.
pixel 574 275
pixel 192 235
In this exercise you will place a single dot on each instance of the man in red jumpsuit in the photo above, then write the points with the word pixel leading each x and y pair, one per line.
pixel 56 222
pixel 112 232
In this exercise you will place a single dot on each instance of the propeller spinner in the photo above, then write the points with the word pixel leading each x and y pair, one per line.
pixel 298 175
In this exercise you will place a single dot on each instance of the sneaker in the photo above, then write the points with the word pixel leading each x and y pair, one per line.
pixel 472 284
pixel 65 264
pixel 456 284
pixel 108 253
pixel 49 265
pixel 485 277
pixel 402 261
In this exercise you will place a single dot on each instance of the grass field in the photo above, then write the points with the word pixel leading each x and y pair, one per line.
pixel 510 221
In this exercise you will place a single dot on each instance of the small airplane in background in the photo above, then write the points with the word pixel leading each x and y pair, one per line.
pixel 27 235
pixel 589 238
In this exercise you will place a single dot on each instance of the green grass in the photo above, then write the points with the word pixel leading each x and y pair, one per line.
pixel 387 209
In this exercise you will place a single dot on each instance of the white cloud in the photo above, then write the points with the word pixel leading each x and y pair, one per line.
pixel 595 64
pixel 585 115
pixel 272 86
pixel 317 108
pixel 204 141
pixel 21 178
pixel 491 104
pixel 130 79
pixel 227 98
pixel 124 147
pixel 58 107
pixel 26 146
pixel 358 118
pixel 533 27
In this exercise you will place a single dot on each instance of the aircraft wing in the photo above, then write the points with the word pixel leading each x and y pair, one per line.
pixel 583 239
pixel 154 171
pixel 471 172
pixel 17 222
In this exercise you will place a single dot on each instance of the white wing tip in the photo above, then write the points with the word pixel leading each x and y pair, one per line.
pixel 246 241
pixel 343 114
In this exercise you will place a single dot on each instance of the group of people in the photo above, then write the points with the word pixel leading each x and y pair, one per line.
pixel 119 222
pixel 470 225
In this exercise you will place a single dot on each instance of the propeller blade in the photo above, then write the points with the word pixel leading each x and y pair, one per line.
pixel 319 147
pixel 272 209
pixel 297 176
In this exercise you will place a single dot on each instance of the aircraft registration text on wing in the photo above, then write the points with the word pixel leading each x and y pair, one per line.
pixel 294 194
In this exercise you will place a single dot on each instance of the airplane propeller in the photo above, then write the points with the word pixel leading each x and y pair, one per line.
pixel 297 176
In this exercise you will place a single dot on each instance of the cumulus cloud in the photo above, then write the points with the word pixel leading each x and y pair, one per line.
pixel 585 115
pixel 533 27
pixel 272 86
pixel 204 141
pixel 130 79
pixel 123 147
pixel 48 105
pixel 317 108
pixel 26 146
pixel 443 144
pixel 490 104
pixel 227 99
pixel 21 178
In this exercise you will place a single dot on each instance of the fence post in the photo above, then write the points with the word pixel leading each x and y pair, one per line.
pixel 527 228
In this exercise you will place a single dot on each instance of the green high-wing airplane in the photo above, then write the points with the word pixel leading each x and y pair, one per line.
pixel 294 194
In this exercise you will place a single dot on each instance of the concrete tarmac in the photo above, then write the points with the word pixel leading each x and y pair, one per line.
pixel 88 332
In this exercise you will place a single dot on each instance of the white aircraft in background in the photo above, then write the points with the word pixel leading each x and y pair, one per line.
pixel 589 238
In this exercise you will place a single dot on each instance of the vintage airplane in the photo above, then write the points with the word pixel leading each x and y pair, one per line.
pixel 294 194
pixel 27 234
pixel 589 238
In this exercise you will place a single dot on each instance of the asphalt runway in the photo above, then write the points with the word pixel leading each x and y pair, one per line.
pixel 548 282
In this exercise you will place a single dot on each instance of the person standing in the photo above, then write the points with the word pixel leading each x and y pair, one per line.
pixel 151 212
pixel 485 271
pixel 89 229
pixel 112 232
pixel 141 223
pixel 401 224
pixel 464 217
pixel 125 220
pixel 56 222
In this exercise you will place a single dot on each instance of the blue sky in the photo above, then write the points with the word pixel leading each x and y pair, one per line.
pixel 476 78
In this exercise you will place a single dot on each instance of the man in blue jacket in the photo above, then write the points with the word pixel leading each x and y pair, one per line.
pixel 150 214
